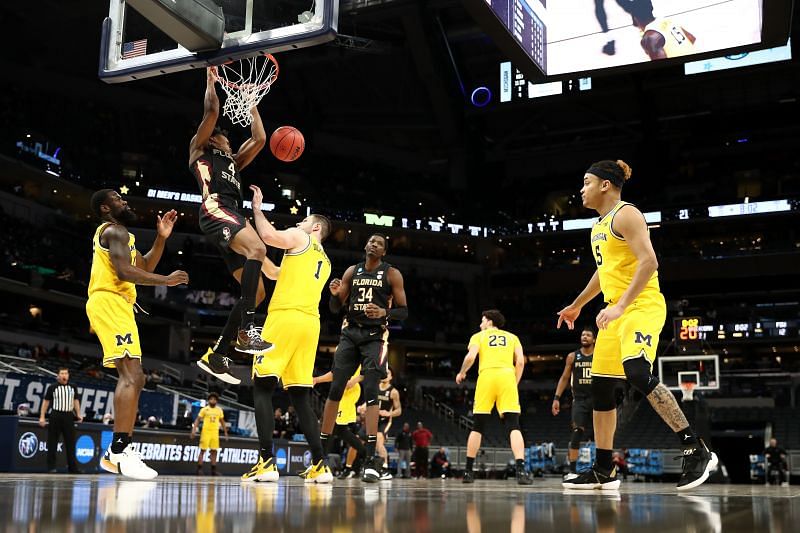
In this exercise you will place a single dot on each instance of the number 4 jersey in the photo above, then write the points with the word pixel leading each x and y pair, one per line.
pixel 369 288
pixel 495 348
pixel 302 278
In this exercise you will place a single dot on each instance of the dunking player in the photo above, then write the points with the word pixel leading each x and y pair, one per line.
pixel 117 267
pixel 346 422
pixel 293 322
pixel 213 417
pixel 388 409
pixel 500 366
pixel 374 294
pixel 627 275
pixel 577 374
pixel 217 171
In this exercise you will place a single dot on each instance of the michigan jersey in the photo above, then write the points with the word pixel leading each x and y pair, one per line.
pixel 212 418
pixel 302 278
pixel 615 261
pixel 104 275
pixel 495 348
pixel 676 42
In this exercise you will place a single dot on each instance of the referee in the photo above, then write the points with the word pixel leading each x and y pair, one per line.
pixel 63 398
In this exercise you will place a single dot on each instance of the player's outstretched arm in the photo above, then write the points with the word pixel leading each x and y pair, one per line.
pixel 164 226
pixel 117 239
pixel 210 115
pixel 252 146
pixel 287 239
pixel 570 313
pixel 469 360
pixel 563 383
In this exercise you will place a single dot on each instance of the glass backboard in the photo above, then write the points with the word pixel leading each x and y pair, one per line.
pixel 132 47
pixel 702 370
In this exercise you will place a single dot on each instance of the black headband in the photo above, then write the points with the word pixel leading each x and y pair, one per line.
pixel 606 175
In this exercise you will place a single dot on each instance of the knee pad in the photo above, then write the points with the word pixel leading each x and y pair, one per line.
pixel 576 438
pixel 511 421
pixel 480 422
pixel 369 387
pixel 603 393
pixel 338 385
pixel 639 376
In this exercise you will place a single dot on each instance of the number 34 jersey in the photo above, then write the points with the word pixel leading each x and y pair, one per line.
pixel 369 288
pixel 495 348
pixel 302 278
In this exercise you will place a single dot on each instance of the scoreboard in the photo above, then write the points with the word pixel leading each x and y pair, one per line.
pixel 688 333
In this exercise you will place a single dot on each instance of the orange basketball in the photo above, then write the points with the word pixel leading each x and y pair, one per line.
pixel 287 143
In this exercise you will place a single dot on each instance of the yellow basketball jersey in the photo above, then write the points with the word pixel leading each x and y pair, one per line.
pixel 302 277
pixel 676 42
pixel 615 261
pixel 495 348
pixel 104 275
pixel 212 419
pixel 352 394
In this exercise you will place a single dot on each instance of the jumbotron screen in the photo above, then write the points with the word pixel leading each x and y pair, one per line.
pixel 569 36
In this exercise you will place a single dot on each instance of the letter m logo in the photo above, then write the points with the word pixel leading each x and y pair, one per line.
pixel 379 220
pixel 643 339
pixel 124 339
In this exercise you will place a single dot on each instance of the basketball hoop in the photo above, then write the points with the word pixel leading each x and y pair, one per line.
pixel 245 83
pixel 687 388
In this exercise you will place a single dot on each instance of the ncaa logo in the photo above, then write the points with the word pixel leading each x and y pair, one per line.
pixel 84 449
pixel 28 444
pixel 307 458
pixel 280 458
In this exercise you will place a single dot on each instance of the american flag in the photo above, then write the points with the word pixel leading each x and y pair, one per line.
pixel 134 49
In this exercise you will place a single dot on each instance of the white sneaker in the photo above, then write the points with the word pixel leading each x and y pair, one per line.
pixel 127 463
pixel 386 475
pixel 569 476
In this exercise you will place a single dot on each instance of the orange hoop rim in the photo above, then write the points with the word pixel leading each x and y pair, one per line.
pixel 250 86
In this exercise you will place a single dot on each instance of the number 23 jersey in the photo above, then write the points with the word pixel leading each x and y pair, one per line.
pixel 301 280
pixel 495 348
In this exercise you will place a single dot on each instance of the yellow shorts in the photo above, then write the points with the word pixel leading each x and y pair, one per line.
pixel 496 386
pixel 111 318
pixel 295 335
pixel 634 334
pixel 347 407
pixel 209 440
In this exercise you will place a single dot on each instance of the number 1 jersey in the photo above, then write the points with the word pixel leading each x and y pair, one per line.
pixel 301 280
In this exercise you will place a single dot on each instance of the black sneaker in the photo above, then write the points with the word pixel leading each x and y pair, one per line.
pixel 372 470
pixel 218 366
pixel 249 341
pixel 345 473
pixel 698 463
pixel 524 477
pixel 594 479
pixel 469 477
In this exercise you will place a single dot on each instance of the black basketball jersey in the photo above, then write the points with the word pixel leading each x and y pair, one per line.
pixel 385 399
pixel 582 375
pixel 369 287
pixel 218 177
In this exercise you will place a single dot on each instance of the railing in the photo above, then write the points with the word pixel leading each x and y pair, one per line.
pixel 191 395
pixel 173 372
pixel 22 365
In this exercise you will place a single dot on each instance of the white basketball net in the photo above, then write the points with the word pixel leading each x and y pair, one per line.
pixel 687 389
pixel 245 83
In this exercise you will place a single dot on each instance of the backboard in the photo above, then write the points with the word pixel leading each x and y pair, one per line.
pixel 702 370
pixel 131 47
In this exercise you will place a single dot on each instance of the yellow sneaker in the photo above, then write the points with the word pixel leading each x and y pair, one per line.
pixel 318 473
pixel 262 471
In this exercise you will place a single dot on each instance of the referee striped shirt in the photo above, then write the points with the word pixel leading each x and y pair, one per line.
pixel 61 397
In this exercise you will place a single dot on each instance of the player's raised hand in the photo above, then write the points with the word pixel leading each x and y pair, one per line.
pixel 179 277
pixel 568 316
pixel 211 75
pixel 258 197
pixel 335 286
pixel 165 224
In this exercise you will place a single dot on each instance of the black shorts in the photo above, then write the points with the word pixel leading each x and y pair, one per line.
pixel 582 413
pixel 365 346
pixel 220 222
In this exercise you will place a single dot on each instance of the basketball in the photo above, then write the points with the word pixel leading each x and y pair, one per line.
pixel 287 143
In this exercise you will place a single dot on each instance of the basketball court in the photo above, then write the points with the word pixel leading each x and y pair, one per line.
pixel 102 503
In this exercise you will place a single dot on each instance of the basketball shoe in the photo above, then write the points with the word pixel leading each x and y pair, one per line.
pixel 249 341
pixel 317 473
pixel 372 470
pixel 127 463
pixel 594 478
pixel 698 463
pixel 218 366
pixel 469 477
pixel 262 471
pixel 524 477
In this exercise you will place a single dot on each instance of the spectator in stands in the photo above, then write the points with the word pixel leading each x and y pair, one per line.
pixel 280 425
pixel 775 458
pixel 403 443
pixel 291 422
pixel 440 464
pixel 422 439
pixel 24 351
